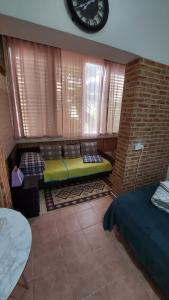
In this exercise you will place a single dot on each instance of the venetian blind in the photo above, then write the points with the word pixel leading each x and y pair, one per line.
pixel 62 93
pixel 36 72
pixel 115 97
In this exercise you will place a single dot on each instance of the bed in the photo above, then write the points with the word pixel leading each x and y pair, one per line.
pixel 146 230
pixel 56 171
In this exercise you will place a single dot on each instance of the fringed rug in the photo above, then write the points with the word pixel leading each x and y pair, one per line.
pixel 76 193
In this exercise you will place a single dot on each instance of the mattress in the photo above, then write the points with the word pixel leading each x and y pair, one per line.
pixel 57 170
pixel 145 228
pixel 77 168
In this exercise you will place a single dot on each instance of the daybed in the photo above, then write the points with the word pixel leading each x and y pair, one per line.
pixel 146 230
pixel 55 164
pixel 73 168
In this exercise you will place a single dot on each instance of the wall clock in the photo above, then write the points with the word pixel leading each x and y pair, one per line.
pixel 90 15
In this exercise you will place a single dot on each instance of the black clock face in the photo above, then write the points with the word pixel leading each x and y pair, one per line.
pixel 89 14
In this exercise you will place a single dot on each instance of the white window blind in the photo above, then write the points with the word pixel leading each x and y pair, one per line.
pixel 72 89
pixel 36 77
pixel 62 93
pixel 92 98
pixel 115 99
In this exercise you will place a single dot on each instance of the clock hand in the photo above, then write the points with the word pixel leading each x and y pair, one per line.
pixel 81 5
pixel 88 3
pixel 85 5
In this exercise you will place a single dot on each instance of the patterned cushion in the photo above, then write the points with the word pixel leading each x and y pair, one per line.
pixel 51 151
pixel 71 151
pixel 32 163
pixel 161 196
pixel 92 158
pixel 89 148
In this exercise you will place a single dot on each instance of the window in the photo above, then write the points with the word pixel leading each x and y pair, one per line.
pixel 62 93
pixel 92 98
pixel 36 78
pixel 115 100
pixel 72 88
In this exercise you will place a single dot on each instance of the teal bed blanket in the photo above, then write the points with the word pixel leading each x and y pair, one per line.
pixel 146 230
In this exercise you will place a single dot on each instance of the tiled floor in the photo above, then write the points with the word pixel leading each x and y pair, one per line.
pixel 72 258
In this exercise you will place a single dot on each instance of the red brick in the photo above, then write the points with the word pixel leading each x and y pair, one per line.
pixel 145 116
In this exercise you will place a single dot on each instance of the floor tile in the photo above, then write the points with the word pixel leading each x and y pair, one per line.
pixel 139 273
pixel 80 207
pixel 73 258
pixel 74 245
pixel 108 253
pixel 82 264
pixel 100 206
pixel 142 283
pixel 115 269
pixel 66 211
pixel 100 294
pixel 86 284
pixel 20 293
pixel 28 271
pixel 134 284
pixel 76 239
pixel 87 218
pixel 154 293
pixel 68 224
pixel 100 213
pixel 44 229
pixel 53 286
pixel 118 290
pixel 102 202
pixel 96 236
pixel 46 258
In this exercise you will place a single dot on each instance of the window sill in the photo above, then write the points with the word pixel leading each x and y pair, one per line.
pixel 61 139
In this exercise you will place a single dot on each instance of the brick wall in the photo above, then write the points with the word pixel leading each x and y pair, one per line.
pixel 144 117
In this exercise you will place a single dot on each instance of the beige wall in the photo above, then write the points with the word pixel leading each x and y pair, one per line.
pixel 6 131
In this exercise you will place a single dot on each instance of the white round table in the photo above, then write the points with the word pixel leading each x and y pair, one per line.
pixel 15 246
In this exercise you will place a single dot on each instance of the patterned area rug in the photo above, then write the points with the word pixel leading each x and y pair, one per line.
pixel 76 193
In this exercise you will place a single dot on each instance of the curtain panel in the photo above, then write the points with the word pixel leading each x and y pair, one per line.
pixel 36 83
pixel 116 83
pixel 92 97
pixel 72 93
pixel 61 93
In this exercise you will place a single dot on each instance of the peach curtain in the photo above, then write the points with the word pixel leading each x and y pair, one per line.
pixel 5 195
pixel 117 73
pixel 92 92
pixel 61 93
pixel 36 84
pixel 85 91
pixel 72 93
pixel 94 96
